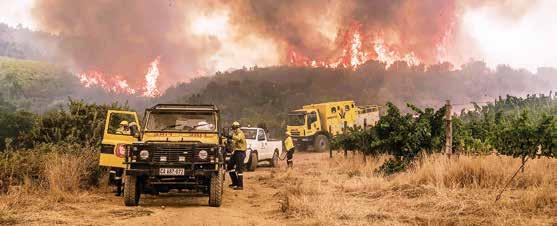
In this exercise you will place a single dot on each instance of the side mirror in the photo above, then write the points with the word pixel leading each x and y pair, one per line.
pixel 134 130
pixel 226 131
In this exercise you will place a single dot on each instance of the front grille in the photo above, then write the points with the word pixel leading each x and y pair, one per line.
pixel 173 153
pixel 295 133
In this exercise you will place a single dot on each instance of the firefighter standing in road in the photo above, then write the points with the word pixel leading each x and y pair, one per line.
pixel 236 162
pixel 289 147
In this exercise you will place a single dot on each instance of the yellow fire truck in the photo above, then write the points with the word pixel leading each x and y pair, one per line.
pixel 313 126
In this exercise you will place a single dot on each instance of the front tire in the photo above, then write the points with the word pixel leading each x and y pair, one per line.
pixel 253 160
pixel 216 189
pixel 275 159
pixel 132 190
pixel 321 143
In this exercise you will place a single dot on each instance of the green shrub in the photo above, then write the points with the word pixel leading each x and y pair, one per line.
pixel 15 125
pixel 78 123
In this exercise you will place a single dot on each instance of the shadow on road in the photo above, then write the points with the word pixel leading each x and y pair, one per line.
pixel 175 199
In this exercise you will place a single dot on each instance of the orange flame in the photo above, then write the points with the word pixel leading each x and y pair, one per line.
pixel 354 52
pixel 116 84
pixel 151 77
pixel 113 84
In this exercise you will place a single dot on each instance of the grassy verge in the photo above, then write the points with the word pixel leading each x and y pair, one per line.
pixel 436 191
pixel 43 177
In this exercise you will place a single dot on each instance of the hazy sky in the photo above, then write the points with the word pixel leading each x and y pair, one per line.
pixel 14 12
pixel 528 40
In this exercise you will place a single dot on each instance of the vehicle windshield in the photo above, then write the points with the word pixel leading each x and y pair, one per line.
pixel 296 119
pixel 181 121
pixel 250 133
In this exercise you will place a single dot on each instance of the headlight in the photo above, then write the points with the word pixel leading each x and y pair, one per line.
pixel 203 154
pixel 144 154
pixel 121 150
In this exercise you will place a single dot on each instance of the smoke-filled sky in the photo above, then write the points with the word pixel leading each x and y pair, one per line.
pixel 196 37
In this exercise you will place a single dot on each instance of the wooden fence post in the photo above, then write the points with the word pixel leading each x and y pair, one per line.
pixel 448 130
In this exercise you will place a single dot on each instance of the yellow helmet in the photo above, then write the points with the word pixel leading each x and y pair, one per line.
pixel 236 124
pixel 124 123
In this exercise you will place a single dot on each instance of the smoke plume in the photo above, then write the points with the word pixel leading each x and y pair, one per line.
pixel 121 38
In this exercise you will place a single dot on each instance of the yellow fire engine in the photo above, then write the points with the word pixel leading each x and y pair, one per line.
pixel 314 125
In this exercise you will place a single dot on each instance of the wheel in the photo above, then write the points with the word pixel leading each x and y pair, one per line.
pixel 252 164
pixel 132 190
pixel 275 159
pixel 321 143
pixel 216 189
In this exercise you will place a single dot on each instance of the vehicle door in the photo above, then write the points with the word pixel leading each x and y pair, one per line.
pixel 262 142
pixel 115 137
pixel 313 124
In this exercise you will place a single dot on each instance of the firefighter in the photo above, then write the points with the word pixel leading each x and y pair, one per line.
pixel 289 147
pixel 236 163
pixel 124 128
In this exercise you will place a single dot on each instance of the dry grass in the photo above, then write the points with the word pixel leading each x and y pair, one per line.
pixel 45 179
pixel 66 174
pixel 323 191
pixel 480 172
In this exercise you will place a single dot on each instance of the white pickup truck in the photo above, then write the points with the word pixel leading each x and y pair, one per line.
pixel 260 148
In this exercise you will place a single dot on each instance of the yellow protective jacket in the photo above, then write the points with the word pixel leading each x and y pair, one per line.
pixel 122 131
pixel 239 140
pixel 288 143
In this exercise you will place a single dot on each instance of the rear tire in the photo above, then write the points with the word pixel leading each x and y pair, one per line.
pixel 275 159
pixel 321 143
pixel 253 160
pixel 216 189
pixel 132 190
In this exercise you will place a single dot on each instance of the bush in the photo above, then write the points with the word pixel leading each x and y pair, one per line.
pixel 14 126
pixel 392 166
pixel 403 136
pixel 78 123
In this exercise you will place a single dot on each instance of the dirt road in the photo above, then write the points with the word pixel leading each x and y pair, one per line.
pixel 257 204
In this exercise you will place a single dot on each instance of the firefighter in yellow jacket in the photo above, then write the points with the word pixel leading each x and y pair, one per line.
pixel 235 165
pixel 289 147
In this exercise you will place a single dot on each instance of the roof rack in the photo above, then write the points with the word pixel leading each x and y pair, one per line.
pixel 185 107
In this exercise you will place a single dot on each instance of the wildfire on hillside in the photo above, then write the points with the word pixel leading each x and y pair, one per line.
pixel 212 36
pixel 117 84
pixel 355 49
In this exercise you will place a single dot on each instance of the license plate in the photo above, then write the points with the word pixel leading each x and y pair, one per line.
pixel 171 172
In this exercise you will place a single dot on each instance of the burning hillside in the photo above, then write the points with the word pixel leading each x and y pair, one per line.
pixel 356 48
pixel 118 84
pixel 113 44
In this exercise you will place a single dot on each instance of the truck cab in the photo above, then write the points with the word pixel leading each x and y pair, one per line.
pixel 178 147
pixel 304 125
